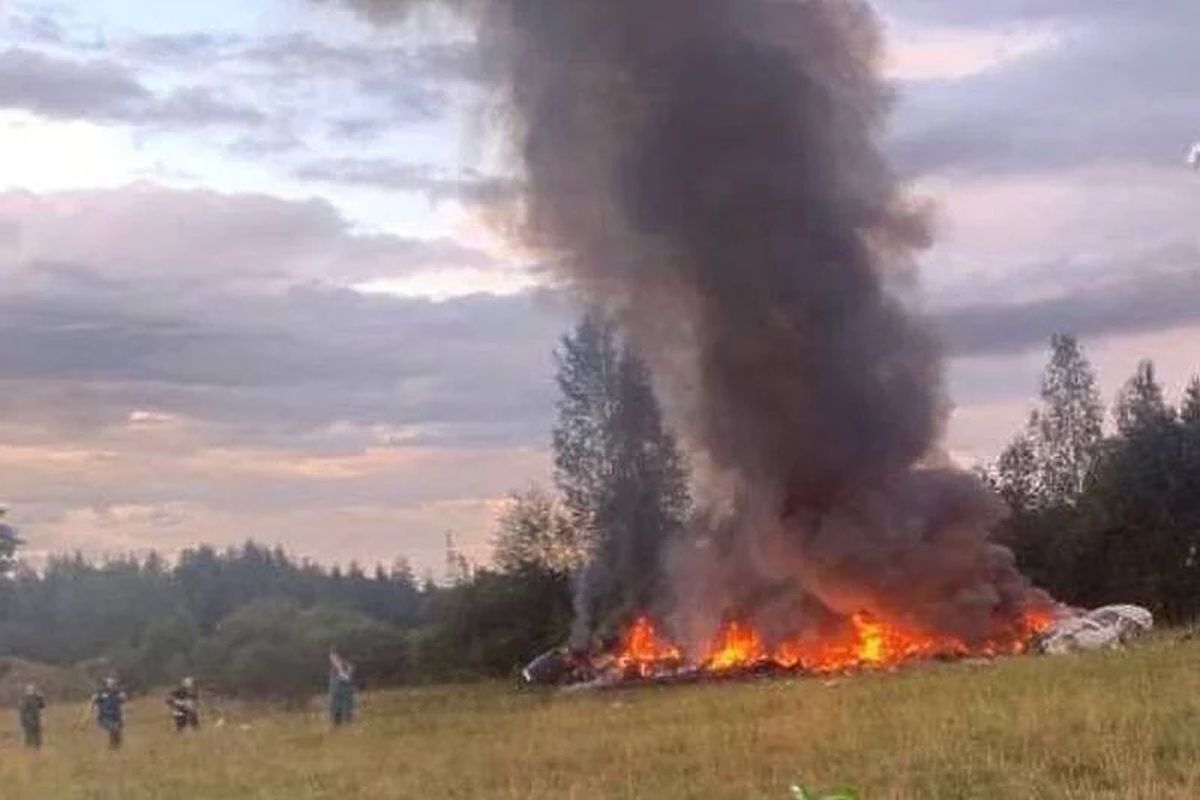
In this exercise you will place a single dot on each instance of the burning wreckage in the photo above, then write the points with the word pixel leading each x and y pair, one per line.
pixel 643 656
pixel 708 175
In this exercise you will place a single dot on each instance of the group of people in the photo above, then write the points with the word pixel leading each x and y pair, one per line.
pixel 183 702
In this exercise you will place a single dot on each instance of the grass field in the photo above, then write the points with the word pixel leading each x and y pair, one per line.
pixel 1121 724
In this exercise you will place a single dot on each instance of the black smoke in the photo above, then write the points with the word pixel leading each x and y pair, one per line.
pixel 709 171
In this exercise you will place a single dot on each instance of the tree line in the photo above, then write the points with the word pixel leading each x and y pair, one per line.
pixel 1099 518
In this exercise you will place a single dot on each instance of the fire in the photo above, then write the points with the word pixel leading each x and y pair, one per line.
pixel 736 646
pixel 872 640
pixel 644 653
pixel 867 642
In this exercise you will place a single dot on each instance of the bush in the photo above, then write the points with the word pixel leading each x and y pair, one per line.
pixel 273 671
pixel 274 650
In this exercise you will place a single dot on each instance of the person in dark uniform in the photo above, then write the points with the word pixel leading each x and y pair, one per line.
pixel 341 690
pixel 184 701
pixel 32 705
pixel 109 703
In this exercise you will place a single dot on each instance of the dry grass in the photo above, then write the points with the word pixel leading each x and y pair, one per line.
pixel 1106 725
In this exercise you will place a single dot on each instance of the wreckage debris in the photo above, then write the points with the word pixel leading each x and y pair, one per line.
pixel 549 668
pixel 1107 627
pixel 1068 631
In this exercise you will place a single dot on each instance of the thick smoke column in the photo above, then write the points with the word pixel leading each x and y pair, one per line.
pixel 709 172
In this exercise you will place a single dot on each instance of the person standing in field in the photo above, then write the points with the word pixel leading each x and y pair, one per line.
pixel 184 701
pixel 109 703
pixel 32 705
pixel 341 690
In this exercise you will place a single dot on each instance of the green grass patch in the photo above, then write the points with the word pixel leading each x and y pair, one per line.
pixel 1114 725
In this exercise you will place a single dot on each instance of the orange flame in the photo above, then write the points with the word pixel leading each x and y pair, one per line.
pixel 735 646
pixel 643 653
pixel 868 642
pixel 872 640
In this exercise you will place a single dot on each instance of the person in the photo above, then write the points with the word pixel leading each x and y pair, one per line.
pixel 109 703
pixel 184 701
pixel 341 690
pixel 32 705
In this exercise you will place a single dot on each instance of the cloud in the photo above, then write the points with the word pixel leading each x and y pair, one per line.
pixel 130 500
pixel 264 96
pixel 404 83
pixel 177 376
pixel 225 310
pixel 1105 251
pixel 196 107
pixel 958 53
pixel 32 25
pixel 468 185
pixel 184 366
pixel 105 90
pixel 180 49
pixel 1002 11
pixel 1115 85
pixel 201 238
pixel 301 54
pixel 64 88
pixel 267 143
pixel 1146 303
pixel 301 368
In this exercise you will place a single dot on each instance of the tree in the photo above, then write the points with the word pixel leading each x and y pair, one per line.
pixel 1017 479
pixel 1067 430
pixel 9 544
pixel 619 469
pixel 1189 409
pixel 584 458
pixel 458 568
pixel 535 531
pixel 649 493
pixel 1140 404
pixel 152 622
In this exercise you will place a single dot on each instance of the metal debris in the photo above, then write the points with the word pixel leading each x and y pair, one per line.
pixel 1108 627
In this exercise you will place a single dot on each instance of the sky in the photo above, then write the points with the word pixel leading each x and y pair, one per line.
pixel 252 285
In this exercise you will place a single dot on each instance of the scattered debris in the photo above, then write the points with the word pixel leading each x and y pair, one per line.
pixel 550 667
pixel 1105 627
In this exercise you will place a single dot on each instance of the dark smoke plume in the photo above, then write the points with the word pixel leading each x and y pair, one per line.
pixel 709 172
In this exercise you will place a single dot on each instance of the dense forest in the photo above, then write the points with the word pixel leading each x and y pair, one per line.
pixel 1095 518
